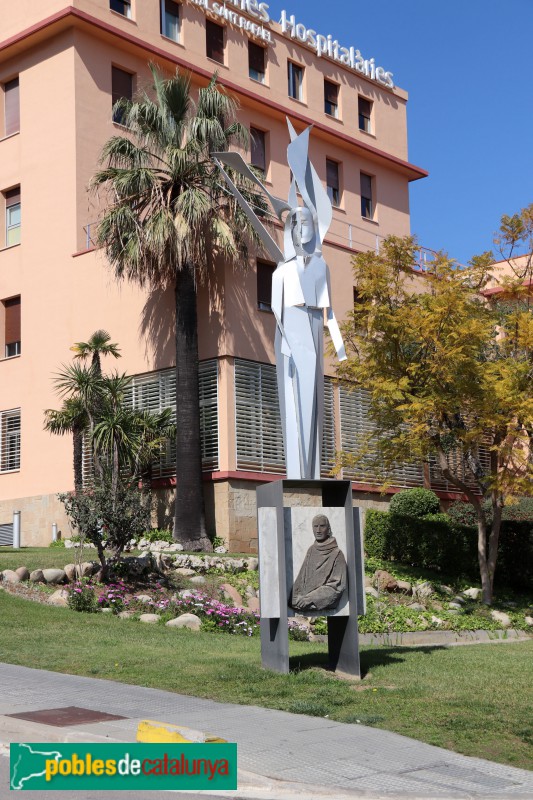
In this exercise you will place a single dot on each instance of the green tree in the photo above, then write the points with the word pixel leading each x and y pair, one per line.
pixel 98 345
pixel 450 377
pixel 167 220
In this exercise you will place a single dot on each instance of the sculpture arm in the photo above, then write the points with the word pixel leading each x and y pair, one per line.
pixel 333 326
pixel 277 307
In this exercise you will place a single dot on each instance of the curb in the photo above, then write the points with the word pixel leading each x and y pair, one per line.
pixel 150 731
pixel 442 638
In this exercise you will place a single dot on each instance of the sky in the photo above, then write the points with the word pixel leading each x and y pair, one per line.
pixel 468 67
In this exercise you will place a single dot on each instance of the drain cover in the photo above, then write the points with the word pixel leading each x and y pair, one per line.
pixel 68 715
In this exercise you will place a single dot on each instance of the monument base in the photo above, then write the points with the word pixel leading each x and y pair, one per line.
pixel 275 562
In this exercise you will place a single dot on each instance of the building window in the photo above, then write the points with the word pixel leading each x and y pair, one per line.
pixel 121 7
pixel 331 99
pixel 296 81
pixel 332 182
pixel 10 440
pixel 365 115
pixel 265 270
pixel 258 149
pixel 170 20
pixel 12 200
pixel 256 62
pixel 122 89
pixel 367 202
pixel 214 41
pixel 11 327
pixel 11 107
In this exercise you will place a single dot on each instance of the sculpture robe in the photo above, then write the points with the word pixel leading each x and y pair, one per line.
pixel 322 578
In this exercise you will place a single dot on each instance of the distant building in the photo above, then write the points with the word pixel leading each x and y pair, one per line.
pixel 61 69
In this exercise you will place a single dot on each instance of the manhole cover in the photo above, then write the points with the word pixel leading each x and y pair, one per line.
pixel 68 715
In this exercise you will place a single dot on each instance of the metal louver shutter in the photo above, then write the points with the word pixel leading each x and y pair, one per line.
pixel 208 384
pixel 6 534
pixel 10 440
pixel 257 418
pixel 457 464
pixel 328 433
pixel 356 429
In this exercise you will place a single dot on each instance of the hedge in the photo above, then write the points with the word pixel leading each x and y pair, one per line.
pixel 437 542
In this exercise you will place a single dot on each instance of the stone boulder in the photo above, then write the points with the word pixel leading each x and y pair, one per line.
pixel 372 592
pixel 23 573
pixel 198 580
pixel 185 572
pixel 384 581
pixel 232 594
pixel 253 604
pixel 473 593
pixel 125 614
pixel 446 590
pixel 10 576
pixel 144 598
pixel 424 589
pixel 220 549
pixel 453 605
pixel 416 606
pixel 70 571
pixel 529 621
pixel 190 621
pixel 501 617
pixel 59 598
pixel 150 619
pixel 37 576
pixel 252 564
pixel 53 576
pixel 87 568
pixel 404 587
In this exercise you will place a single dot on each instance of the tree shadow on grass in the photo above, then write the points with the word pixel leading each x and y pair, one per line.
pixel 369 658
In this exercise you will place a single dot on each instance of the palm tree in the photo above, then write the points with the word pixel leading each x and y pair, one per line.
pixel 99 344
pixel 70 418
pixel 168 219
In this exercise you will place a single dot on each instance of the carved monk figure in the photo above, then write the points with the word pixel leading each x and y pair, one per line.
pixel 323 576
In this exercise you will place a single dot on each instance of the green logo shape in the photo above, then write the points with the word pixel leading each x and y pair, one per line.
pixel 123 766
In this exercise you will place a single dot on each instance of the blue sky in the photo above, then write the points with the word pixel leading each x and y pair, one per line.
pixel 467 65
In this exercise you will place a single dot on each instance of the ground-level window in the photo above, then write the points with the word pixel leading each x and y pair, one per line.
pixel 10 440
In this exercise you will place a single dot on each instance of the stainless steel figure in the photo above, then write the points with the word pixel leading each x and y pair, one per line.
pixel 301 293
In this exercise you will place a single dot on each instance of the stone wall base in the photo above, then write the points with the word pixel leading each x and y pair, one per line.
pixel 37 514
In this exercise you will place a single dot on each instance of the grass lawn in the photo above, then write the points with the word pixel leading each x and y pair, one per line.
pixel 476 700
pixel 41 557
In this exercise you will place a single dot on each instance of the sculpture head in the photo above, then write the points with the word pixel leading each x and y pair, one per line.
pixel 321 528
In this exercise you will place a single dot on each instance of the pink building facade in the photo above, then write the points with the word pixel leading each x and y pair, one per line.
pixel 61 68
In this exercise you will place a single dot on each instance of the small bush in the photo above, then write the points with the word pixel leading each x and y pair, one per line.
pixel 82 597
pixel 58 543
pixel 157 535
pixel 415 503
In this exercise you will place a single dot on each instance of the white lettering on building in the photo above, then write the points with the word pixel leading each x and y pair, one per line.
pixel 252 7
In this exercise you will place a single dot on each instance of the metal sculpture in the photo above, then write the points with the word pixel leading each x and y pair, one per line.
pixel 301 293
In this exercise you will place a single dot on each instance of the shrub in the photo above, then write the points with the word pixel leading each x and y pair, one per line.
pixel 157 535
pixel 58 543
pixel 114 597
pixel 82 597
pixel 415 503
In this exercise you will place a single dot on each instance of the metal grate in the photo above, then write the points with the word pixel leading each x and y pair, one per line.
pixel 10 440
pixel 68 715
pixel 259 435
pixel 6 534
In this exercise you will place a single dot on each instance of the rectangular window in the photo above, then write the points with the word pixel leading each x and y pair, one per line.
pixel 214 41
pixel 121 7
pixel 332 181
pixel 331 99
pixel 122 89
pixel 11 107
pixel 13 216
pixel 264 285
pixel 10 440
pixel 365 115
pixel 296 81
pixel 12 327
pixel 367 202
pixel 258 149
pixel 256 62
pixel 170 20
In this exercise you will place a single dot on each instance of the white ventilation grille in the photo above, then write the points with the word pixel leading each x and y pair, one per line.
pixel 10 440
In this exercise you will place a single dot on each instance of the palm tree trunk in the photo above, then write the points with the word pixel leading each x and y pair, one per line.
pixel 77 435
pixel 189 516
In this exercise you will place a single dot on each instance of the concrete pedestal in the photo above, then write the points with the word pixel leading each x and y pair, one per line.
pixel 343 644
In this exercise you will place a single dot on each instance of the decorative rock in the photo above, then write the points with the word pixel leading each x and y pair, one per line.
pixel 252 564
pixel 372 592
pixel 184 572
pixel 232 594
pixel 54 575
pixel 472 593
pixel 221 549
pixel 250 591
pixel 437 620
pixel 529 620
pixel 23 573
pixel 403 586
pixel 59 598
pixel 253 604
pixel 185 593
pixel 185 621
pixel 459 600
pixel 501 617
pixel 368 580
pixel 144 598
pixel 125 614
pixel 454 611
pixel 384 581
pixel 37 576
pixel 70 571
pixel 10 576
pixel 106 610
pixel 454 605
pixel 149 618
pixel 446 590
pixel 423 589
pixel 198 580
pixel 509 604
pixel 416 607
pixel 88 568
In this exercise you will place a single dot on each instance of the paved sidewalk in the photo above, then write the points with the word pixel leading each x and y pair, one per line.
pixel 281 755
